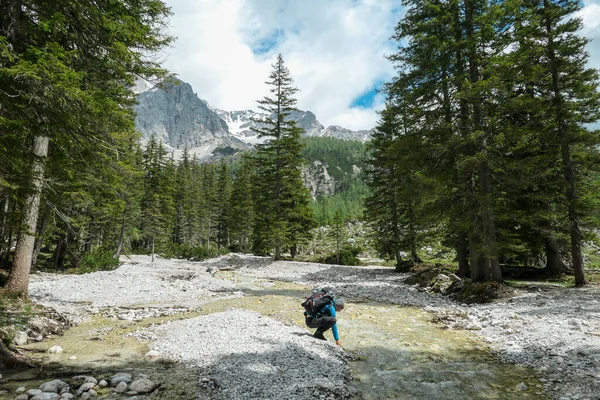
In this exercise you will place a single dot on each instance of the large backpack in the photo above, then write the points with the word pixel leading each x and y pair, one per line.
pixel 315 302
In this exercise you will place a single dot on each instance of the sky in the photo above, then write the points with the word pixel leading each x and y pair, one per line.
pixel 335 51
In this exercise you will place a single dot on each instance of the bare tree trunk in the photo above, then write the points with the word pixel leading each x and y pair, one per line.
pixel 152 248
pixel 18 279
pixel 122 234
pixel 40 237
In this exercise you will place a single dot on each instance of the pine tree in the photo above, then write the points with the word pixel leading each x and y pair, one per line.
pixel 69 79
pixel 282 215
pixel 242 205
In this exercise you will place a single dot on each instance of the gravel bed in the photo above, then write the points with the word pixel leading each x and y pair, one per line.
pixel 248 356
pixel 554 330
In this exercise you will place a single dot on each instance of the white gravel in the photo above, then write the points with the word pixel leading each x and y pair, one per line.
pixel 249 356
pixel 555 330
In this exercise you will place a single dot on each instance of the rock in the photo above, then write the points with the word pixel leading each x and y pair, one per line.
pixel 46 396
pixel 20 390
pixel 131 393
pixel 521 387
pixel 120 377
pixel 54 386
pixel 66 396
pixel 20 338
pixel 142 386
pixel 33 392
pixel 152 354
pixel 84 388
pixel 85 396
pixel 91 379
pixel 92 393
pixel 22 396
pixel 121 387
pixel 55 350
pixel 73 358
pixel 103 384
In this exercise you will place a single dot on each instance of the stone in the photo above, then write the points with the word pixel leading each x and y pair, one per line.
pixel 20 338
pixel 142 386
pixel 120 377
pixel 103 384
pixel 121 387
pixel 85 396
pixel 20 390
pixel 84 388
pixel 33 392
pixel 22 396
pixel 152 354
pixel 55 350
pixel 521 387
pixel 92 393
pixel 67 396
pixel 90 379
pixel 131 393
pixel 46 396
pixel 54 386
pixel 73 358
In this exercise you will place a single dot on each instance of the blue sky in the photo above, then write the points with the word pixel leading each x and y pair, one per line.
pixel 335 50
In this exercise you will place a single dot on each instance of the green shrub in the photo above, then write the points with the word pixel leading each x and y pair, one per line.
pixel 348 256
pixel 192 253
pixel 99 259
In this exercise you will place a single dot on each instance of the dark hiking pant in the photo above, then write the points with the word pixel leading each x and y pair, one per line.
pixel 323 324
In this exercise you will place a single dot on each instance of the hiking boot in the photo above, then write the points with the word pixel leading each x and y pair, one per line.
pixel 319 335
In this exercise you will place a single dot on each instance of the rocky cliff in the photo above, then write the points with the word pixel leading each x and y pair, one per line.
pixel 174 114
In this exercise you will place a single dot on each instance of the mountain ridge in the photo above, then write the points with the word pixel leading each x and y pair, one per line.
pixel 175 114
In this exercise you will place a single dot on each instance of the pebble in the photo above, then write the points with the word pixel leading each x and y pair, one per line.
pixel 55 350
pixel 121 387
pixel 22 396
pixel 20 390
pixel 521 387
pixel 103 384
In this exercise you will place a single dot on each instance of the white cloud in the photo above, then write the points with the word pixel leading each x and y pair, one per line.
pixel 334 49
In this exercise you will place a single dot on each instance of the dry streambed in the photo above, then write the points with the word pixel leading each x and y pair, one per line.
pixel 232 328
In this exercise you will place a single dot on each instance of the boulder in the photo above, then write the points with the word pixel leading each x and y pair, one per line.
pixel 33 392
pixel 142 386
pixel 84 388
pixel 54 386
pixel 121 387
pixel 46 396
pixel 120 377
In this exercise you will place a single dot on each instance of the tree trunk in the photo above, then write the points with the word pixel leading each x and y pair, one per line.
pixel 294 251
pixel 568 170
pixel 18 279
pixel 122 234
pixel 487 265
pixel 40 237
pixel 152 248
pixel 462 252
pixel 554 264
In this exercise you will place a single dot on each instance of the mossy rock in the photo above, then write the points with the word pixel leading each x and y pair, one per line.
pixel 480 292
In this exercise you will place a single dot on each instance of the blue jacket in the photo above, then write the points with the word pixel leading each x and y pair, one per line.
pixel 329 310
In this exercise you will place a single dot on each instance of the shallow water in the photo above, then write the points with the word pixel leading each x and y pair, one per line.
pixel 398 353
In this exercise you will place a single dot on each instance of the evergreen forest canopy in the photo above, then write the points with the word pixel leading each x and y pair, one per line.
pixel 484 142
pixel 485 135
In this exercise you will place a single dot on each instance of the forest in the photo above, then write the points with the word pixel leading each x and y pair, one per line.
pixel 488 137
pixel 486 145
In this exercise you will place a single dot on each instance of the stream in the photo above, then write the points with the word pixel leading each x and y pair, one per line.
pixel 396 352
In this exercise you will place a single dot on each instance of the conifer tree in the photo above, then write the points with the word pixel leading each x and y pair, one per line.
pixel 66 69
pixel 282 213
pixel 242 206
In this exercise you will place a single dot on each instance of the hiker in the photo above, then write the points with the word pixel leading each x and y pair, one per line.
pixel 325 319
